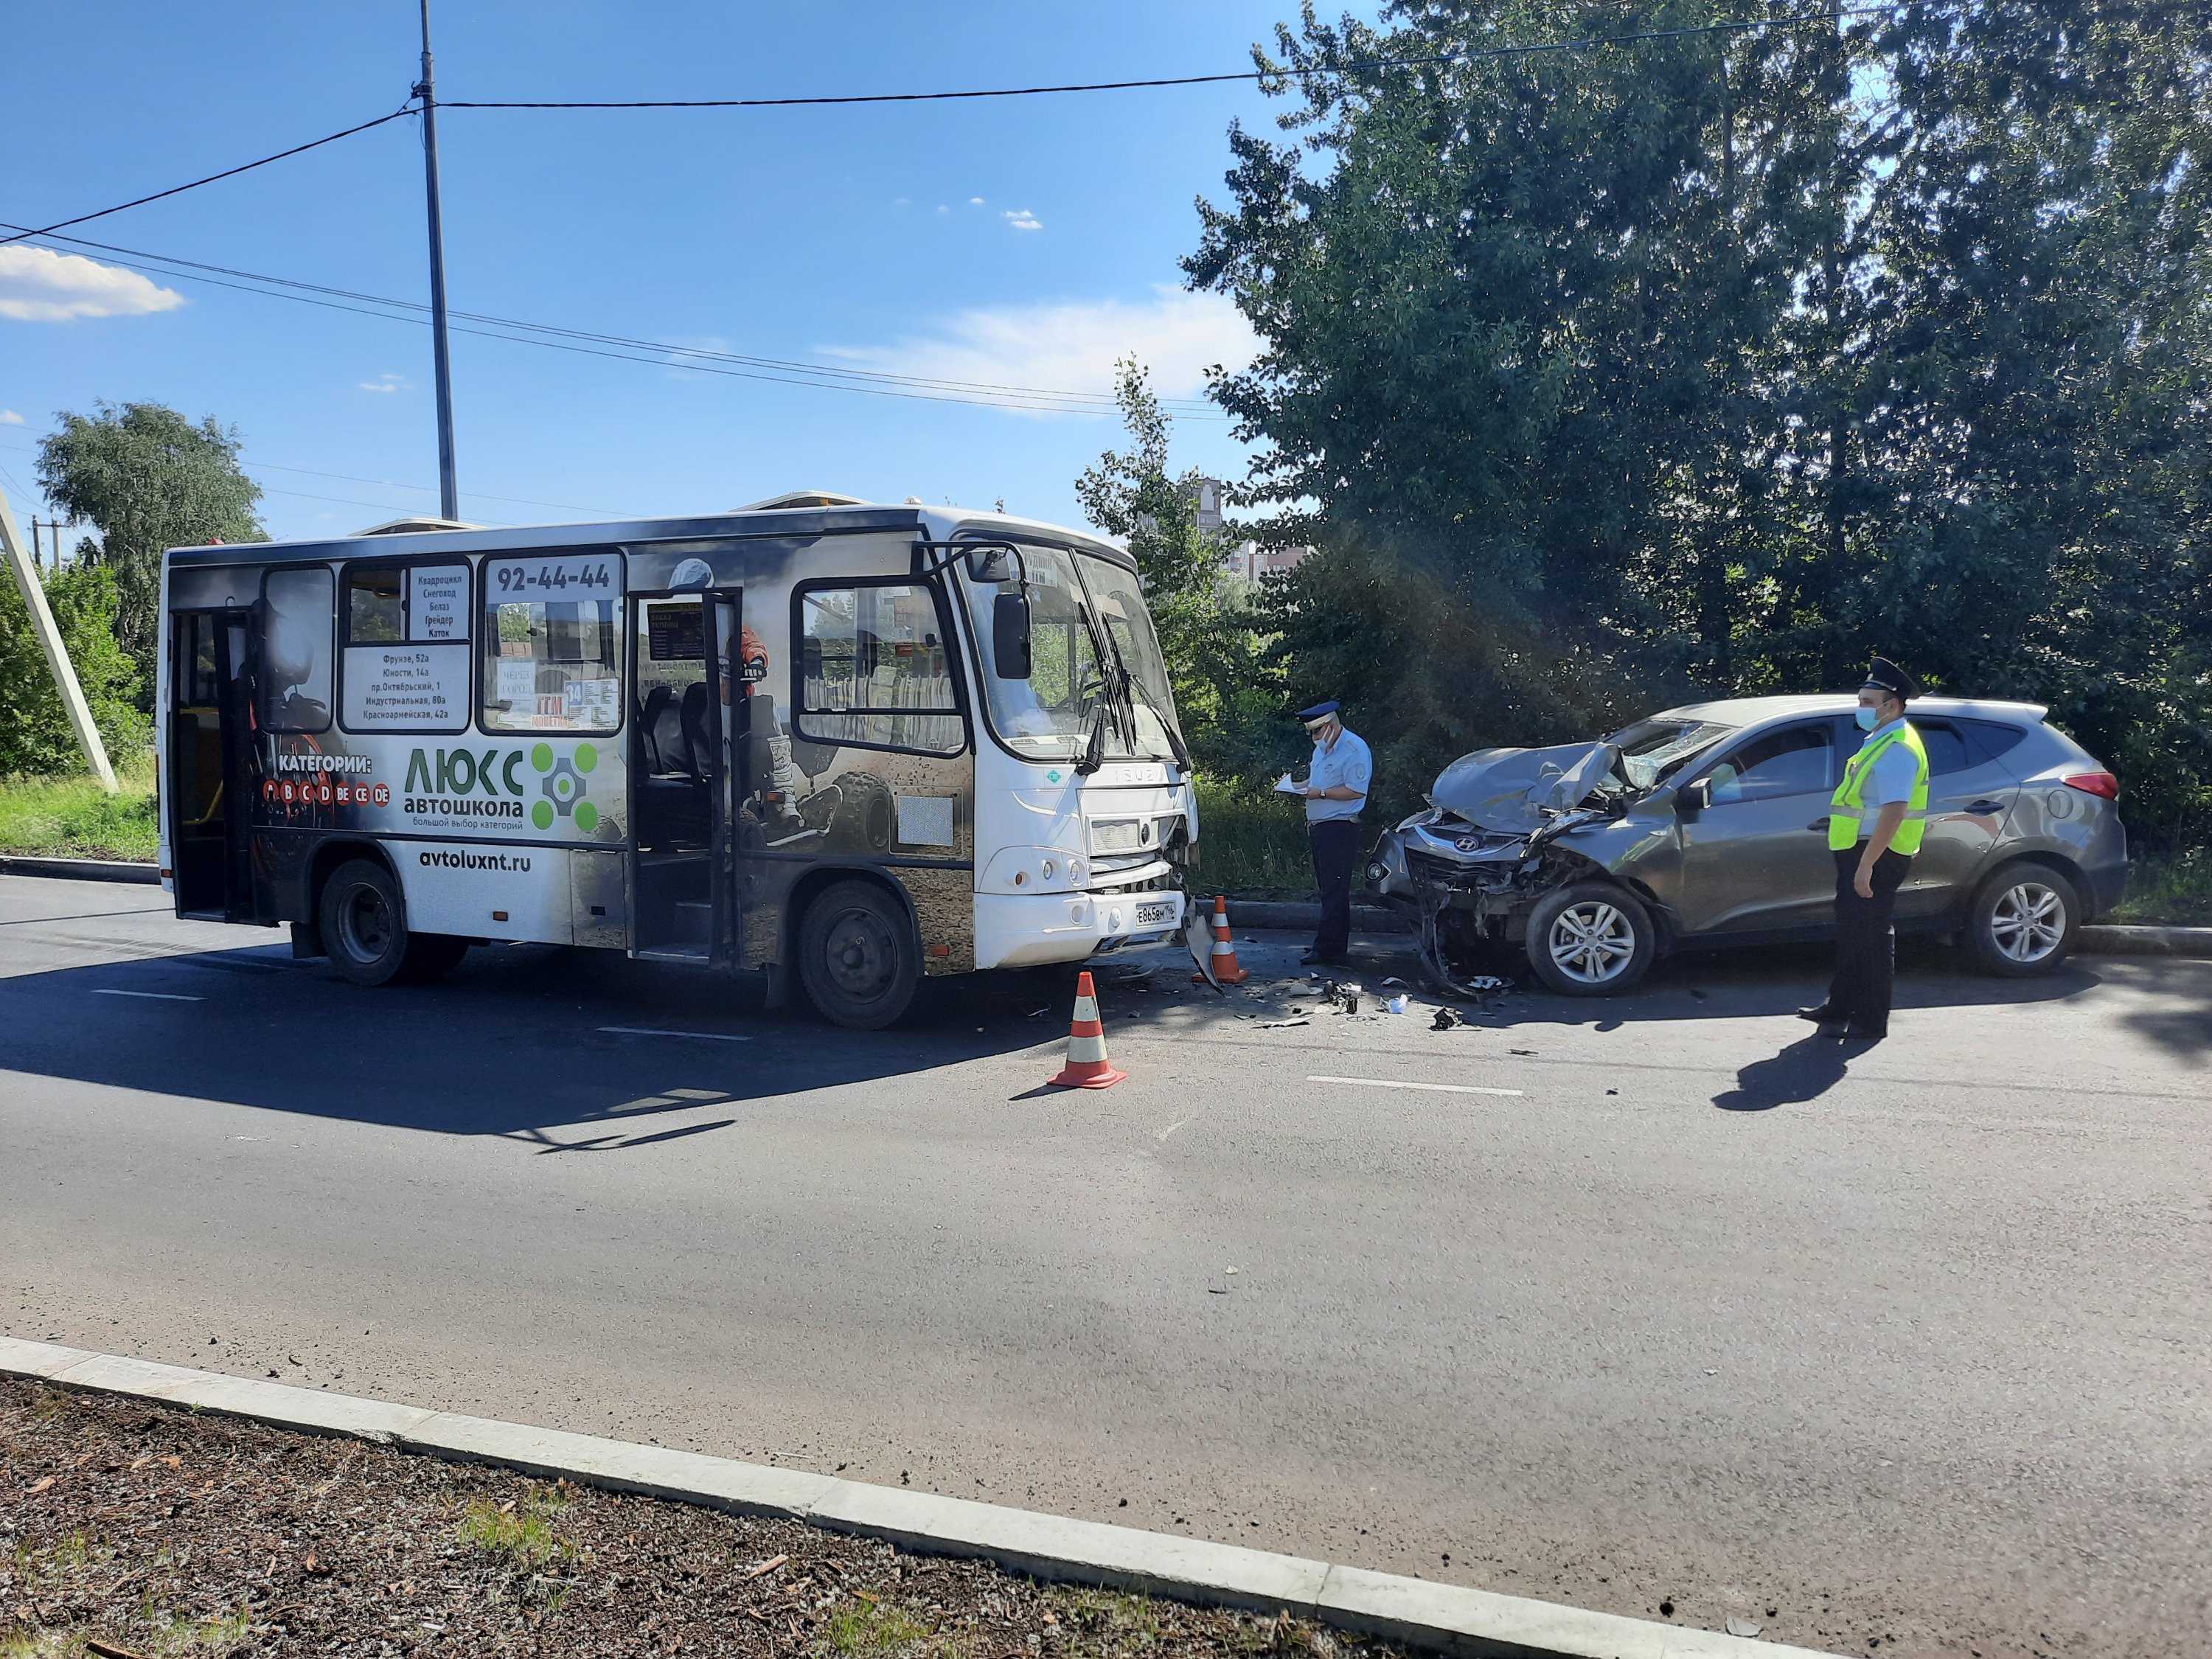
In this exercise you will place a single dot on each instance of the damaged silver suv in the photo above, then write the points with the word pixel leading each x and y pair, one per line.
pixel 1707 825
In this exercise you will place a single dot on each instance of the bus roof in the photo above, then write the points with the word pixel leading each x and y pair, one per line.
pixel 938 523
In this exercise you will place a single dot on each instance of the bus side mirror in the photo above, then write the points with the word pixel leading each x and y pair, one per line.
pixel 991 565
pixel 1009 636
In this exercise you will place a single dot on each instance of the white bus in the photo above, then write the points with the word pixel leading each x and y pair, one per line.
pixel 819 736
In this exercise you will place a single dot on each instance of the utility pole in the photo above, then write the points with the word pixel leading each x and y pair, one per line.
pixel 26 569
pixel 449 490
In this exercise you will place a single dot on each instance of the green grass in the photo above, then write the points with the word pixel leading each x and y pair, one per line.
pixel 75 818
pixel 1251 846
pixel 2174 890
pixel 870 1630
pixel 522 1532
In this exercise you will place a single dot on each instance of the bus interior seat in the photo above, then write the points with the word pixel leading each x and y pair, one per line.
pixel 648 725
pixel 697 744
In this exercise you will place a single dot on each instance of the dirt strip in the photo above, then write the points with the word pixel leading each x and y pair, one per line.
pixel 128 1529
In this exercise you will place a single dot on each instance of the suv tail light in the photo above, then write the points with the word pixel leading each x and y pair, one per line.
pixel 2095 783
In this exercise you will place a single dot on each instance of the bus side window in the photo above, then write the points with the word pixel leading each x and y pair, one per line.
pixel 873 668
pixel 551 661
pixel 295 651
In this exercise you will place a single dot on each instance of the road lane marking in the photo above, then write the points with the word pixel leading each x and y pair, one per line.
pixel 1391 1083
pixel 646 1031
pixel 152 996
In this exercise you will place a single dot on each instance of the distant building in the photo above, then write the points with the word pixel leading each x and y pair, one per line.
pixel 1209 503
pixel 1251 561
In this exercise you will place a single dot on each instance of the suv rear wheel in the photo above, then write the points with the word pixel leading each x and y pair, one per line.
pixel 1591 939
pixel 2023 921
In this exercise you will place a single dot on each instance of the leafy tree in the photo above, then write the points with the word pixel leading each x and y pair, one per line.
pixel 1216 662
pixel 35 734
pixel 150 480
pixel 1714 363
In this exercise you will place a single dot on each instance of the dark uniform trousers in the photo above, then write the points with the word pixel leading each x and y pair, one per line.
pixel 1335 849
pixel 1865 944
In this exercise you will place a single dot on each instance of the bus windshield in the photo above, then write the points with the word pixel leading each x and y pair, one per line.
pixel 1048 716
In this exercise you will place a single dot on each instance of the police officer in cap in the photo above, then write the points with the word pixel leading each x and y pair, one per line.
pixel 1876 820
pixel 1334 790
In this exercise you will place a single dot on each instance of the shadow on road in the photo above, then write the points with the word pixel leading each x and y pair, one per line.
pixel 1804 1071
pixel 522 1041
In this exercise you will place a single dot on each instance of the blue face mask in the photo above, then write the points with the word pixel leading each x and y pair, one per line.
pixel 1867 718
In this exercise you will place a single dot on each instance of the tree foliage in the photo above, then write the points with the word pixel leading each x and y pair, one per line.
pixel 1716 363
pixel 36 737
pixel 150 480
pixel 1216 665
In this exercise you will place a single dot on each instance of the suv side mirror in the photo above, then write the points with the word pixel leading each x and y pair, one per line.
pixel 1009 636
pixel 1692 799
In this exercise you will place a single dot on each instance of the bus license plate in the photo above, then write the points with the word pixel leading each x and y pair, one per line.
pixel 1154 913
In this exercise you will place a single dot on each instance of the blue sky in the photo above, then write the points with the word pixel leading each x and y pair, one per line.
pixel 1018 241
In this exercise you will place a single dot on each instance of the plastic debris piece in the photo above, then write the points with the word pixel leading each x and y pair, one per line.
pixel 1445 1020
pixel 1520 1051
pixel 1744 1627
pixel 1396 1005
pixel 1613 1092
pixel 1394 980
pixel 1278 1024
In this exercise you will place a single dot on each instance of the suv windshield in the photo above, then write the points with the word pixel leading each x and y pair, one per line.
pixel 1048 715
pixel 1652 749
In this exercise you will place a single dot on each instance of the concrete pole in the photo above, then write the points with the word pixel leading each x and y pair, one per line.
pixel 50 636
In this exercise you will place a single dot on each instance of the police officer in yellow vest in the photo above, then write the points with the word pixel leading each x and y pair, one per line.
pixel 1875 819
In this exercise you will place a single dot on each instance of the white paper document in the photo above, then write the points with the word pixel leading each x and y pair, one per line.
pixel 1285 786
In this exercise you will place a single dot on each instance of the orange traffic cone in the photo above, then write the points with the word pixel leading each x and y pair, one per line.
pixel 1087 1066
pixel 1223 962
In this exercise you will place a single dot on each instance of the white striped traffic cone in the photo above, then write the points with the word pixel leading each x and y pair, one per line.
pixel 1087 1066
pixel 1225 967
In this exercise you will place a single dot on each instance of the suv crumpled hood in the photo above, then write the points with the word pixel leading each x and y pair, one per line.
pixel 1518 789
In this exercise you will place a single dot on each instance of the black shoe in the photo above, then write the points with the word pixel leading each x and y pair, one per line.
pixel 1820 1016
pixel 1856 1033
pixel 1314 959
pixel 1833 1028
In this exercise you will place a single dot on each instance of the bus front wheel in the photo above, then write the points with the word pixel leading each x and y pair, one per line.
pixel 858 957
pixel 364 930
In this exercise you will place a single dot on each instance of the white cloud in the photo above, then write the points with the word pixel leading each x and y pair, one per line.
pixel 974 201
pixel 385 382
pixel 9 417
pixel 38 285
pixel 1023 219
pixel 1072 346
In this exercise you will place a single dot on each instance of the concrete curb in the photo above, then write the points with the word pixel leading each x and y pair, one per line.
pixel 1446 1618
pixel 23 863
pixel 1306 918
pixel 2146 941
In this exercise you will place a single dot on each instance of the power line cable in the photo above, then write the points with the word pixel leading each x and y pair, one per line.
pixel 227 173
pixel 1035 400
pixel 1467 56
pixel 1470 55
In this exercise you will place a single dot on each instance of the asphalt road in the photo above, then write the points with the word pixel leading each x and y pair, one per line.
pixel 1907 1345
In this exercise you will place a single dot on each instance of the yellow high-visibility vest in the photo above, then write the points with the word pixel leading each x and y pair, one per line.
pixel 1846 805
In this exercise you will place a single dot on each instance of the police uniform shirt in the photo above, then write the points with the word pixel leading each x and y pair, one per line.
pixel 1889 781
pixel 1347 764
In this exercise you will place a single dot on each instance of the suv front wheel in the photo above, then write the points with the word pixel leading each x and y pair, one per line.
pixel 1591 939
pixel 2023 921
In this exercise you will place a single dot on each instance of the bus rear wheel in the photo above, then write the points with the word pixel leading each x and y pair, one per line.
pixel 858 957
pixel 364 923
